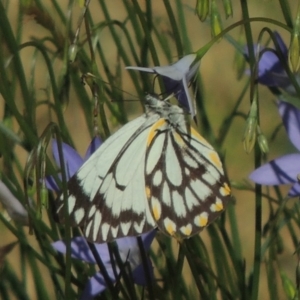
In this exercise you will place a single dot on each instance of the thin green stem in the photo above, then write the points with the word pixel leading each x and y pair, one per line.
pixel 286 11
pixel 175 29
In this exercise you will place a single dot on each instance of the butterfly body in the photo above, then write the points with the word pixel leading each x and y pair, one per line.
pixel 156 171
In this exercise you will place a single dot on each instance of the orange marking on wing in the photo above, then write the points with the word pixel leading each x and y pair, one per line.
pixel 153 130
pixel 225 190
pixel 199 137
pixel 215 159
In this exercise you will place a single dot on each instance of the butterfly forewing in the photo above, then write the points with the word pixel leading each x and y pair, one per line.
pixel 185 182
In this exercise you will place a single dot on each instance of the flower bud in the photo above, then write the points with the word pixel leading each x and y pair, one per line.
pixel 294 51
pixel 251 128
pixel 73 49
pixel 43 203
pixel 294 61
pixel 202 9
pixel 239 185
pixel 44 196
pixel 228 8
pixel 215 20
pixel 288 286
pixel 263 143
pixel 250 134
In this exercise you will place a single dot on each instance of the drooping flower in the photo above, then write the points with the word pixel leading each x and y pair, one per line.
pixel 285 169
pixel 271 71
pixel 176 78
pixel 129 252
pixel 128 247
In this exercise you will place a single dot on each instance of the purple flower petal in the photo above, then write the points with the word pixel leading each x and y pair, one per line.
pixel 129 249
pixel 96 285
pixel 148 238
pixel 180 90
pixel 291 119
pixel 282 170
pixel 176 78
pixel 71 158
pixel 271 71
pixel 139 275
pixel 295 190
pixel 51 183
pixel 269 61
pixel 73 161
pixel 94 145
pixel 281 43
pixel 81 250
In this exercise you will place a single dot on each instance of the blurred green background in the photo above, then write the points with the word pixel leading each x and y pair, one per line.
pixel 220 88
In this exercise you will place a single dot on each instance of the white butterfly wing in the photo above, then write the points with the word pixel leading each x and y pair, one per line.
pixel 107 194
pixel 120 207
pixel 185 182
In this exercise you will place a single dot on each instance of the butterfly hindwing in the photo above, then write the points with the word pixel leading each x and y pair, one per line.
pixel 185 182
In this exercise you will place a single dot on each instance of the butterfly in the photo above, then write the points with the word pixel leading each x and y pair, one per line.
pixel 156 171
